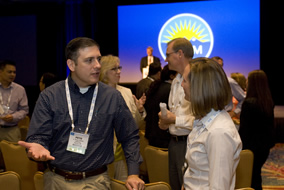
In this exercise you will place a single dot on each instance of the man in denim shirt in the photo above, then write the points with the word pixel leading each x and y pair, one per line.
pixel 73 124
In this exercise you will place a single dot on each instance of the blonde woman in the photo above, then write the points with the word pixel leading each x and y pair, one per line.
pixel 110 75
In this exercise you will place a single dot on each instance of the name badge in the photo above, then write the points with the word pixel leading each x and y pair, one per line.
pixel 4 109
pixel 78 142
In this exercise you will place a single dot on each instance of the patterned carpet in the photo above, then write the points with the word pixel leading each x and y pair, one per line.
pixel 273 169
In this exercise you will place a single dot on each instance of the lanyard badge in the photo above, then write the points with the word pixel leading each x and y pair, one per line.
pixel 4 108
pixel 78 142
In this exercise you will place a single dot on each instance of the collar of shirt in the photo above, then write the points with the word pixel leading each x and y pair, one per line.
pixel 179 78
pixel 10 86
pixel 151 78
pixel 203 123
pixel 74 87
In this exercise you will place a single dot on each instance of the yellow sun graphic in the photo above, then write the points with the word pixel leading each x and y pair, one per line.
pixel 183 30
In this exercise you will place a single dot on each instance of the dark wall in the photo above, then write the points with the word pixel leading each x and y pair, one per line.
pixel 59 21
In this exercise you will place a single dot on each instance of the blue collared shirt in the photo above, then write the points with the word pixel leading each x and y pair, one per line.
pixel 50 126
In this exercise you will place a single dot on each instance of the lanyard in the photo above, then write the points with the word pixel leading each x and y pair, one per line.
pixel 199 130
pixel 9 98
pixel 70 105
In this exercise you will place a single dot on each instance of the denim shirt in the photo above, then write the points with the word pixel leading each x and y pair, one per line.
pixel 50 126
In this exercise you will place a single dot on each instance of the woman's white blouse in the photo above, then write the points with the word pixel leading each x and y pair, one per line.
pixel 213 153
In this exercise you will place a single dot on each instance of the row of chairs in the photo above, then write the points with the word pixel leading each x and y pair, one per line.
pixel 12 181
pixel 15 160
pixel 156 164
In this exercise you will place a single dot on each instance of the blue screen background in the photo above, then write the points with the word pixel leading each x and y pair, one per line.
pixel 235 25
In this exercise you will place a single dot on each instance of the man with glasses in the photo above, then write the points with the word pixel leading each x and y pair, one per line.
pixel 179 119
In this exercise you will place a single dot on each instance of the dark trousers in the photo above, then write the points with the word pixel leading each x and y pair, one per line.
pixel 177 152
pixel 260 157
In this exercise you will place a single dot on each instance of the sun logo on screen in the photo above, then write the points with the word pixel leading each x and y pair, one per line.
pixel 191 27
pixel 186 30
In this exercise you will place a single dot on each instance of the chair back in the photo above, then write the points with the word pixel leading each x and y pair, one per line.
pixel 16 160
pixel 24 126
pixel 117 185
pixel 38 180
pixel 143 143
pixel 244 169
pixel 10 180
pixel 157 164
pixel 120 185
pixel 158 186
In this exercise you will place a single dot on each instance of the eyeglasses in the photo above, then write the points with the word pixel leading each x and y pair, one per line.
pixel 116 68
pixel 168 54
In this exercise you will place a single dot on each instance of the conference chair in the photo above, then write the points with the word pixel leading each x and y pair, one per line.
pixel 24 126
pixel 244 169
pixel 10 180
pixel 38 180
pixel 120 185
pixel 143 143
pixel 157 164
pixel 16 160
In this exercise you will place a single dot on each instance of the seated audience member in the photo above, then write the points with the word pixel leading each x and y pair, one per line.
pixel 159 91
pixel 144 84
pixel 214 145
pixel 46 80
pixel 237 92
pixel 257 122
pixel 110 75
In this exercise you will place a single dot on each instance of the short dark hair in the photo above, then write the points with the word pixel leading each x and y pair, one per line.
pixel 216 58
pixel 166 73
pixel 72 48
pixel 154 68
pixel 3 63
pixel 48 79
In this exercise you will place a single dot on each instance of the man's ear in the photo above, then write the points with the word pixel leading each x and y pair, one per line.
pixel 71 65
pixel 180 53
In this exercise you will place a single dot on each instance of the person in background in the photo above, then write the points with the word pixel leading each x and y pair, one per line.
pixel 13 102
pixel 179 119
pixel 73 123
pixel 144 84
pixel 13 105
pixel 147 60
pixel 214 145
pixel 257 122
pixel 46 80
pixel 237 92
pixel 159 91
pixel 110 75
pixel 240 79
